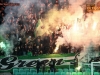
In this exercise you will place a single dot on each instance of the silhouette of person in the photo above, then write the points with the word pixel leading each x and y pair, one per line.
pixel 43 66
pixel 38 64
pixel 52 65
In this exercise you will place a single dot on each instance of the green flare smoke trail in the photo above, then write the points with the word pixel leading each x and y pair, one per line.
pixel 5 46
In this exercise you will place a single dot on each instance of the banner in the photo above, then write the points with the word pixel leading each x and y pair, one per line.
pixel 10 62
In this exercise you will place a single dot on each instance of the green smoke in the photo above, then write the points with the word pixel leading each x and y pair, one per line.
pixel 6 46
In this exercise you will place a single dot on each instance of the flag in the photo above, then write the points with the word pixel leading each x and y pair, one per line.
pixel 37 25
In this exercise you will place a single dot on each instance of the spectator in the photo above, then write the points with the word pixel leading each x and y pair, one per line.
pixel 52 65
pixel 34 49
pixel 43 66
pixel 29 53
pixel 46 43
pixel 38 64
pixel 38 45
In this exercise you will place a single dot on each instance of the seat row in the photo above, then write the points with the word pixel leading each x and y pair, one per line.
pixel 24 70
pixel 56 73
pixel 34 70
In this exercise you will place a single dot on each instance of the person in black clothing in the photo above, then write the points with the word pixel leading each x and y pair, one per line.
pixel 26 49
pixel 52 65
pixel 46 44
pixel 34 49
pixel 19 51
pixel 43 66
pixel 38 44
pixel 76 62
pixel 15 51
pixel 38 64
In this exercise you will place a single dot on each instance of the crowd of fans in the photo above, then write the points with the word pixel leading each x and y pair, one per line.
pixel 24 27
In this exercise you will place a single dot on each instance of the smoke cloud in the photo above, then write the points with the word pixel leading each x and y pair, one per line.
pixel 11 21
pixel 77 27
pixel 81 30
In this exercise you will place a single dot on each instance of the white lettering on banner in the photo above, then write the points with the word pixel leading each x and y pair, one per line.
pixel 10 62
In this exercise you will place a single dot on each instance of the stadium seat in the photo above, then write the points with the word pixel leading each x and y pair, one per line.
pixel 87 70
pixel 35 73
pixel 71 70
pixel 17 73
pixel 29 73
pixel 57 73
pixel 96 73
pixel 60 70
pixel 65 70
pixel 21 70
pixel 32 70
pixel 52 73
pixel 74 73
pixel 22 73
pixel 14 71
pixel 46 73
pixel 40 73
pixel 86 73
pixel 64 73
pixel 26 70
pixel 79 73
